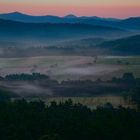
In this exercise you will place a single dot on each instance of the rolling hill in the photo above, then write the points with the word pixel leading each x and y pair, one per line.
pixel 129 45
pixel 52 32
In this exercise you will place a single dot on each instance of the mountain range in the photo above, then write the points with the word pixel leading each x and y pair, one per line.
pixel 132 23
pixel 54 32
pixel 118 36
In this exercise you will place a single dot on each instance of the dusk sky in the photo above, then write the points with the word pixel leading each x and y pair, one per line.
pixel 103 8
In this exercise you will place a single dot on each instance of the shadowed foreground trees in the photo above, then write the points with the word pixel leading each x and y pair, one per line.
pixel 22 120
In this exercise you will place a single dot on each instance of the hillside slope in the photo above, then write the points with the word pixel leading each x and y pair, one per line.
pixel 48 32
pixel 129 45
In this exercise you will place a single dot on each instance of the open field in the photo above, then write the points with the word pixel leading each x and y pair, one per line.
pixel 73 67
pixel 91 102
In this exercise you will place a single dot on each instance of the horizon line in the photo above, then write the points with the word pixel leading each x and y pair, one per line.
pixel 35 15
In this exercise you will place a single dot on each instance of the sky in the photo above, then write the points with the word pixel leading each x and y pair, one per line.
pixel 102 8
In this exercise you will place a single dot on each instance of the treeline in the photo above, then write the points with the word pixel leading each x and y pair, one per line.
pixel 78 88
pixel 22 120
pixel 24 77
pixel 126 77
pixel 91 88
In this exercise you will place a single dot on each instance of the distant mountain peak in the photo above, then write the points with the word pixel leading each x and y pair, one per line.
pixel 15 13
pixel 70 16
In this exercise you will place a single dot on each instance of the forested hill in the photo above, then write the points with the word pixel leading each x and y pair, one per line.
pixel 129 45
pixel 39 32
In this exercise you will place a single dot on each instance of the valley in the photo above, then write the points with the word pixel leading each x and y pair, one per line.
pixel 83 58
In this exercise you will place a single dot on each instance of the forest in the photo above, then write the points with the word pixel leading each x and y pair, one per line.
pixel 22 120
pixel 35 120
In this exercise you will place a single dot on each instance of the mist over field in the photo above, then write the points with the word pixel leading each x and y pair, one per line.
pixel 68 49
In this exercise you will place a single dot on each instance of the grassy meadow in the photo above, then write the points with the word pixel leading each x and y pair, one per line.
pixel 73 67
